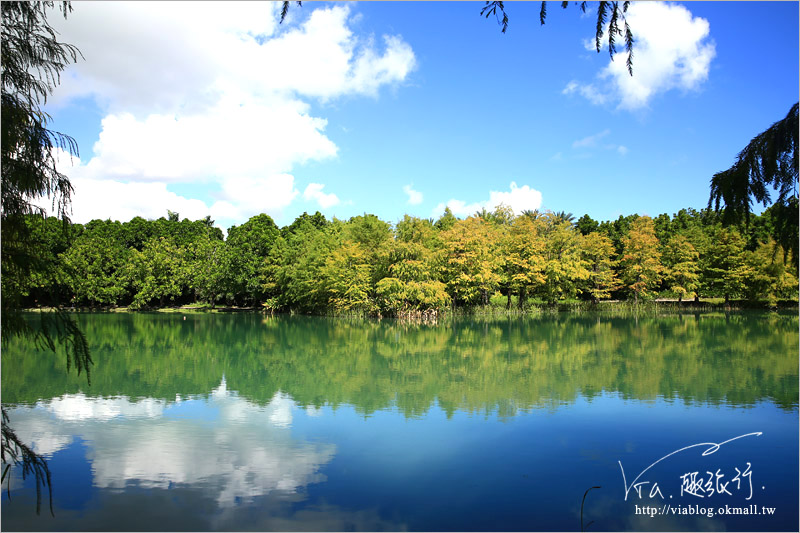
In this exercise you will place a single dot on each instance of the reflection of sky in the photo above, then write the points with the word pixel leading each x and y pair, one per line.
pixel 241 451
pixel 220 462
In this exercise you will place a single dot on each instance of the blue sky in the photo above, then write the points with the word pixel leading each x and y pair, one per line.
pixel 394 108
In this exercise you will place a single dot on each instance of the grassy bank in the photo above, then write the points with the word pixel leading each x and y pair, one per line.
pixel 496 307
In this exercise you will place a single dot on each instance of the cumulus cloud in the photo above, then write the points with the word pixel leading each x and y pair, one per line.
pixel 325 200
pixel 214 94
pixel 517 198
pixel 414 197
pixel 673 50
pixel 237 198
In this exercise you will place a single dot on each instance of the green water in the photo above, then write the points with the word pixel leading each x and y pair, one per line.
pixel 468 424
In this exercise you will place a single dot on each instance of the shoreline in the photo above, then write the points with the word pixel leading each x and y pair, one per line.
pixel 576 307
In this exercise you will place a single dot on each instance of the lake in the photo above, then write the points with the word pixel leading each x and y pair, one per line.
pixel 253 422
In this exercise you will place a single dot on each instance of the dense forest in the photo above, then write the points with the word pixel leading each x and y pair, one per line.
pixel 369 266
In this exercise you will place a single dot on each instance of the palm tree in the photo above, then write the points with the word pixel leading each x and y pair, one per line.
pixel 533 215
pixel 561 216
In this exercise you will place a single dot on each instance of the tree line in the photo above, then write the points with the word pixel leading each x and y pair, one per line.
pixel 365 265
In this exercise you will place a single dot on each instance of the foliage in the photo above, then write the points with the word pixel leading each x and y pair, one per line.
pixel 32 61
pixel 604 10
pixel 724 268
pixel 564 267
pixel 446 221
pixel 641 260
pixel 246 247
pixel 156 273
pixel 523 258
pixel 14 451
pixel 587 225
pixel 346 277
pixel 598 252
pixel 472 264
pixel 681 266
pixel 365 266
pixel 768 162
pixel 94 264
pixel 474 365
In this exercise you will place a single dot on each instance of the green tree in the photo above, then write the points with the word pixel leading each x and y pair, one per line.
pixel 156 273
pixel 291 272
pixel 207 262
pixel 96 265
pixel 247 246
pixel 446 221
pixel 724 268
pixel 587 225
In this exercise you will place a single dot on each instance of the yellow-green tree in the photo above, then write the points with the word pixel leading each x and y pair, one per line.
pixel 641 261
pixel 771 273
pixel 681 267
pixel 523 257
pixel 471 266
pixel 564 266
pixel 598 252
pixel 346 276
pixel 412 266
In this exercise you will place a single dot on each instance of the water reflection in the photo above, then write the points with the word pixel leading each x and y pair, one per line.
pixel 233 448
pixel 245 422
pixel 505 366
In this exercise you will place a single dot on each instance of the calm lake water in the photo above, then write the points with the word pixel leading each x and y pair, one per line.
pixel 246 422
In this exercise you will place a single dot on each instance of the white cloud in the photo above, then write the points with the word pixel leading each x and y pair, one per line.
pixel 414 197
pixel 591 140
pixel 672 50
pixel 138 442
pixel 588 91
pixel 517 198
pixel 314 192
pixel 212 94
pixel 239 198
